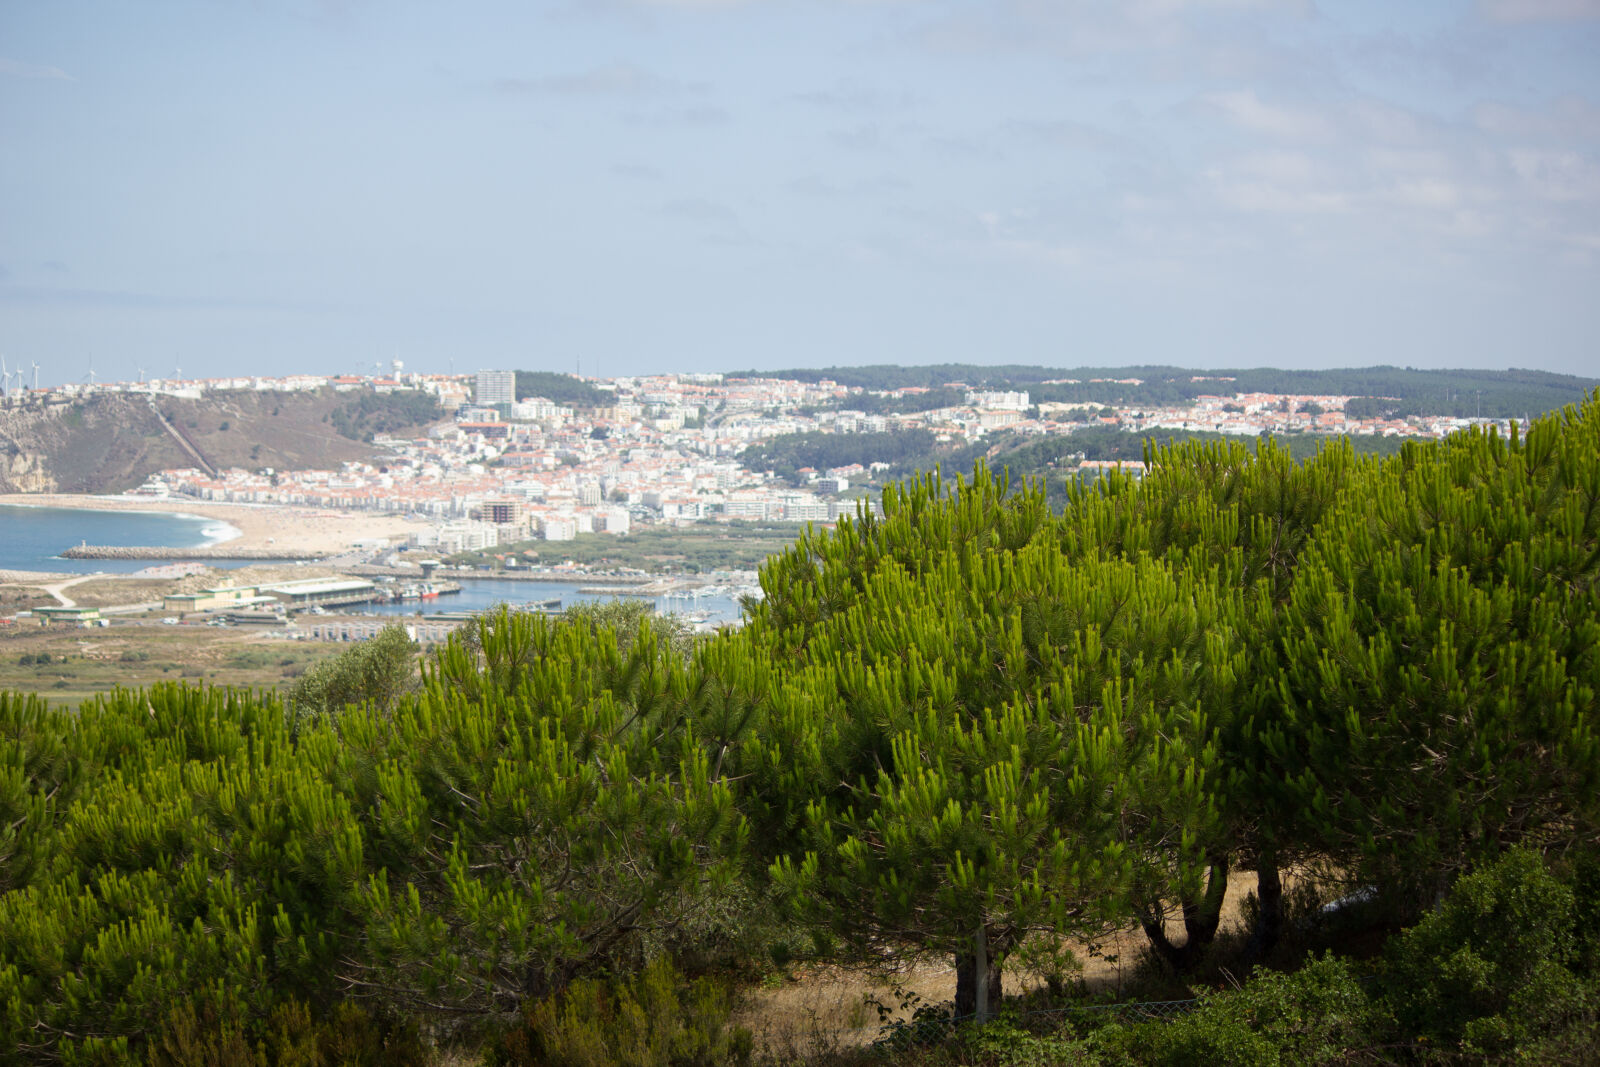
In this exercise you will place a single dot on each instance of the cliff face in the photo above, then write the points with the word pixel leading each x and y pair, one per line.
pixel 113 442
pixel 24 472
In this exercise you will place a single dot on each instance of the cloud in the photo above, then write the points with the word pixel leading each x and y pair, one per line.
pixel 1250 112
pixel 813 185
pixel 58 296
pixel 1540 10
pixel 866 137
pixel 1075 136
pixel 1198 34
pixel 636 172
pixel 696 209
pixel 856 100
pixel 12 68
pixel 702 115
pixel 623 79
pixel 1565 120
pixel 1564 177
pixel 1279 183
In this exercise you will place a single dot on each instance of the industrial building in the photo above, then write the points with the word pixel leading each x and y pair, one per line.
pixel 293 596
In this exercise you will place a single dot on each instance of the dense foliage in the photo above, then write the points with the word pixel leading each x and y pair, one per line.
pixel 889 404
pixel 1397 390
pixel 561 389
pixel 1020 457
pixel 375 413
pixel 788 453
pixel 969 723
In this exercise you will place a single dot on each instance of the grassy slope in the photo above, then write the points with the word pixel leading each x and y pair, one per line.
pixel 113 442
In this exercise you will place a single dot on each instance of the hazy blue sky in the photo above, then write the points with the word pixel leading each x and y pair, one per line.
pixel 711 184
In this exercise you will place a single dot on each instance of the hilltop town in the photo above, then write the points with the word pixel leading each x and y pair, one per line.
pixel 497 467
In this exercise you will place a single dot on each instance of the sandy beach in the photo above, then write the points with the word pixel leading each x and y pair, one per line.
pixel 259 526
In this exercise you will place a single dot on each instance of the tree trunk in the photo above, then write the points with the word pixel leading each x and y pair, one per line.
pixel 977 980
pixel 1269 910
pixel 1200 920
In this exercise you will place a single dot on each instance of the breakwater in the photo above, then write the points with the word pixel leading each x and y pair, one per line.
pixel 163 552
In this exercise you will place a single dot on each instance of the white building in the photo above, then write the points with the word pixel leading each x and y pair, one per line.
pixel 496 387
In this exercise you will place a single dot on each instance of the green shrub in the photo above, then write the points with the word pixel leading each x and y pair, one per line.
pixel 654 1019
pixel 1318 1014
pixel 1489 970
pixel 1004 1044
pixel 378 670
pixel 199 1035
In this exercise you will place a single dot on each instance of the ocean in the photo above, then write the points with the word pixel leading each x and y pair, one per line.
pixel 31 537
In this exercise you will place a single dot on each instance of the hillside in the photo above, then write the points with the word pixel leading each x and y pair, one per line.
pixel 1460 393
pixel 112 442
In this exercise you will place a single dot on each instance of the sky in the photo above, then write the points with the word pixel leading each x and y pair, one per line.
pixel 616 187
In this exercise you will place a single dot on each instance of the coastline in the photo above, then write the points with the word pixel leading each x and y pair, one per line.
pixel 252 528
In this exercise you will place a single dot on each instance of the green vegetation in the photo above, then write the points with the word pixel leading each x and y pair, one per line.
pixel 1458 393
pixel 932 400
pixel 71 666
pixel 973 727
pixel 1021 457
pixel 906 451
pixel 377 671
pixel 373 413
pixel 561 389
pixel 653 1019
pixel 738 545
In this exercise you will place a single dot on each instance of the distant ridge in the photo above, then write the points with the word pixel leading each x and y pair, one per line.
pixel 1501 393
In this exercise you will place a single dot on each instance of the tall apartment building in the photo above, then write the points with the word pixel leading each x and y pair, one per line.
pixel 502 512
pixel 496 387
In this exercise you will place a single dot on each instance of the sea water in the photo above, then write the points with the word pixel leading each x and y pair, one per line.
pixel 32 537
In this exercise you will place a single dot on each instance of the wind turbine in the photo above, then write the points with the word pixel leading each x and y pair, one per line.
pixel 36 375
pixel 177 371
pixel 5 378
pixel 91 374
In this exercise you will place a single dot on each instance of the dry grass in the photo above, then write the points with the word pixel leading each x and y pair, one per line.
pixel 810 1013
pixel 84 662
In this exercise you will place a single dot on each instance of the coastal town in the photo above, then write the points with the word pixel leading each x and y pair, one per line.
pixel 500 468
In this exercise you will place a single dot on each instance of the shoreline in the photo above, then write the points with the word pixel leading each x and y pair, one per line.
pixel 228 531
pixel 285 531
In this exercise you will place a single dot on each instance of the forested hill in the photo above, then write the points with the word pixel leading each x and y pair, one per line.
pixel 1405 390
pixel 111 442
